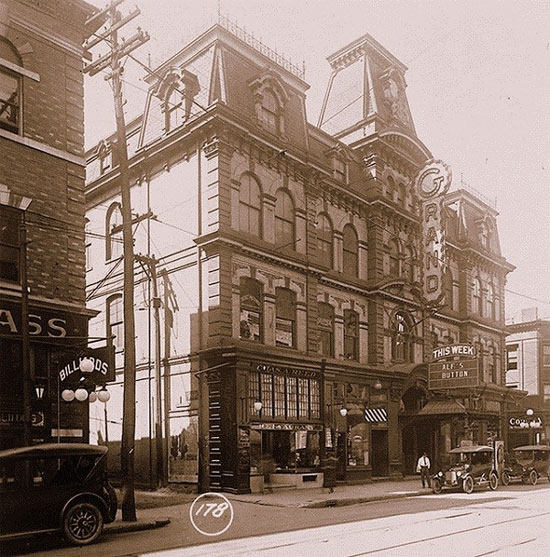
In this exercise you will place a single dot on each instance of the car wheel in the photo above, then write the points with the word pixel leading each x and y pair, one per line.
pixel 82 523
pixel 533 477
pixel 505 478
pixel 437 487
pixel 468 484
pixel 493 481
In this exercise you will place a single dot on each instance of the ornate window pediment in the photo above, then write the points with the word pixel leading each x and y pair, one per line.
pixel 270 101
pixel 177 91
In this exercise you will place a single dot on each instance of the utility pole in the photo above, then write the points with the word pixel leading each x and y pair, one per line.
pixel 151 264
pixel 112 60
pixel 25 341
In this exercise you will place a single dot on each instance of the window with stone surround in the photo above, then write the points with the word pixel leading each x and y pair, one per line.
pixel 10 220
pixel 113 232
pixel 251 312
pixel 325 323
pixel 351 251
pixel 285 317
pixel 10 89
pixel 394 256
pixel 401 340
pixel 269 112
pixel 115 321
pixel 351 335
pixel 476 296
pixel 324 241
pixel 285 228
pixel 250 206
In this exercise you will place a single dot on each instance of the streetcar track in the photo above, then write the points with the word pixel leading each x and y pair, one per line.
pixel 481 527
pixel 505 546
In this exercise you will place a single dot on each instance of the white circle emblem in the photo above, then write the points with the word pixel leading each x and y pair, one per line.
pixel 433 180
pixel 211 514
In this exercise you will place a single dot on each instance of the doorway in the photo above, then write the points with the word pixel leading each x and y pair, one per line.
pixel 380 453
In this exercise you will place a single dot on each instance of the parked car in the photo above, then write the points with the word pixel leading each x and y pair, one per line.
pixel 55 487
pixel 528 463
pixel 471 466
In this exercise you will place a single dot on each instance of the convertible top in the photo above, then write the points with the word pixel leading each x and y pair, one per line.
pixel 472 449
pixel 54 449
pixel 533 448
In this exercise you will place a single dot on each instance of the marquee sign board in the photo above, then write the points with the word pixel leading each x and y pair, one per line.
pixel 452 350
pixel 456 374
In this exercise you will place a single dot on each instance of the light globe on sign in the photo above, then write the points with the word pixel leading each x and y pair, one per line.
pixel 81 394
pixel 104 395
pixel 86 365
pixel 93 396
pixel 67 395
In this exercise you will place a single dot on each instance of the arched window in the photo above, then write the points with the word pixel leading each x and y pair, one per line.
pixel 401 194
pixel 249 206
pixel 390 188
pixel 401 342
pixel 325 323
pixel 476 296
pixel 324 241
pixel 10 89
pixel 408 264
pixel 395 270
pixel 174 109
pixel 113 232
pixel 251 317
pixel 285 317
pixel 284 220
pixel 351 335
pixel 351 251
pixel 269 112
pixel 115 321
pixel 490 302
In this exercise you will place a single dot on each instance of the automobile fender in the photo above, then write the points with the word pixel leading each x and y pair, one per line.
pixel 87 497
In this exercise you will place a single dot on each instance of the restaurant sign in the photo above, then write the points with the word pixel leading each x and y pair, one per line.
pixel 454 374
pixel 520 422
pixel 286 426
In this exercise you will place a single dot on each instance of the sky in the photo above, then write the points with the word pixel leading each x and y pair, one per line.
pixel 478 88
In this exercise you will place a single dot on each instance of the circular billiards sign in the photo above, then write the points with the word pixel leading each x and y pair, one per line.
pixel 433 180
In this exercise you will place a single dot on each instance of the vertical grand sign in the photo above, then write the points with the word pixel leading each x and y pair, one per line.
pixel 431 184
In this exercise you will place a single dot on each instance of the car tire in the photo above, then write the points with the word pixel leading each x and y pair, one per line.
pixel 437 487
pixel 533 477
pixel 468 484
pixel 493 481
pixel 505 478
pixel 82 523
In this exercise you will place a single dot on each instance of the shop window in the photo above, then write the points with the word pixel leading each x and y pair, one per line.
pixel 325 323
pixel 266 394
pixel 324 241
pixel 285 317
pixel 284 220
pixel 401 338
pixel 351 335
pixel 314 399
pixel 476 296
pixel 269 112
pixel 279 390
pixel 546 355
pixel 249 206
pixel 358 445
pixel 394 258
pixel 10 220
pixel 115 321
pixel 251 317
pixel 351 251
pixel 10 90
pixel 292 397
pixel 113 232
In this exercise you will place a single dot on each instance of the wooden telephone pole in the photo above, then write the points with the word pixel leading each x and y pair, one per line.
pixel 112 61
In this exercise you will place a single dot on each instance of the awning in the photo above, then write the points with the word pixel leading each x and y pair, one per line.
pixel 435 407
pixel 375 415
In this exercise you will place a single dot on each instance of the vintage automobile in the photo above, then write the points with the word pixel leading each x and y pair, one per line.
pixel 55 488
pixel 528 463
pixel 471 466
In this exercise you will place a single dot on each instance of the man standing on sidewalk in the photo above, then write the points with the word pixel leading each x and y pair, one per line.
pixel 423 467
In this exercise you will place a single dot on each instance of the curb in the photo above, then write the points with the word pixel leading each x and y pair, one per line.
pixel 120 528
pixel 357 500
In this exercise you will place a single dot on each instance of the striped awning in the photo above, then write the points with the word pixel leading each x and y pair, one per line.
pixel 375 415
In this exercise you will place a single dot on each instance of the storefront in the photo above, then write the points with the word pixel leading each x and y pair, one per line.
pixel 53 334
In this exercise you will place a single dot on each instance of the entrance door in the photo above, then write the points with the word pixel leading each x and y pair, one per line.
pixel 380 452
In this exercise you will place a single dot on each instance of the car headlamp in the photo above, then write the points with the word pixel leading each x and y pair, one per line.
pixel 440 474
pixel 458 473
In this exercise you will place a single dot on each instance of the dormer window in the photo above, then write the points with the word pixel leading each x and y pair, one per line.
pixel 105 157
pixel 340 169
pixel 174 112
pixel 269 113
pixel 270 99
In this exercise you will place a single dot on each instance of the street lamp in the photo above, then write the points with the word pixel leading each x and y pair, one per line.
pixel 529 412
pixel 377 385
pixel 39 391
pixel 258 405
pixel 343 411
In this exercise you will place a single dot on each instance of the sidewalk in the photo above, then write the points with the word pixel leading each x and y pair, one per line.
pixel 342 494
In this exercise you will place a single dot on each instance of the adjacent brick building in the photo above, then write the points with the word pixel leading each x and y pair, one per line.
pixel 42 176
pixel 293 318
